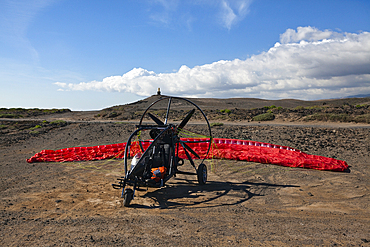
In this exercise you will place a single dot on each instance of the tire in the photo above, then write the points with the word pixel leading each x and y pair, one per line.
pixel 202 174
pixel 127 197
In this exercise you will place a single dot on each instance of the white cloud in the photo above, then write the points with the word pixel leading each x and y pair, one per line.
pixel 306 33
pixel 227 12
pixel 307 64
pixel 165 16
pixel 233 11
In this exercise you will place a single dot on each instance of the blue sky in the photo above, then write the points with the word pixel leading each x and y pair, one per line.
pixel 86 55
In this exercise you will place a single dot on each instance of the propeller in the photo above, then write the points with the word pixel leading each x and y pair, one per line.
pixel 155 119
pixel 186 119
pixel 185 146
pixel 189 157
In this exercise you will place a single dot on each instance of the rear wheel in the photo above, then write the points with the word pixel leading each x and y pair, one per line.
pixel 127 197
pixel 202 174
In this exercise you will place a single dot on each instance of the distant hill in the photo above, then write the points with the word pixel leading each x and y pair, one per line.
pixel 242 103
pixel 360 96
pixel 247 109
pixel 233 109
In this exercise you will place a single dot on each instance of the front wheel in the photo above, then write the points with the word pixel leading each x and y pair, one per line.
pixel 127 197
pixel 202 174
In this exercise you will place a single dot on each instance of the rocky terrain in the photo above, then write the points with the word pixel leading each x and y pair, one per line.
pixel 243 204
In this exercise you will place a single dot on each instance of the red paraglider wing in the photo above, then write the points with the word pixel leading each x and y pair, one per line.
pixel 233 149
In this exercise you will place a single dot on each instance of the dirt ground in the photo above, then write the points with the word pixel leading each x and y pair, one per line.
pixel 243 203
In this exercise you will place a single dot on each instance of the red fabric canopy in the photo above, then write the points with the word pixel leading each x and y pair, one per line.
pixel 221 148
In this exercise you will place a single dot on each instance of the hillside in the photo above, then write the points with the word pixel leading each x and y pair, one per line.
pixel 356 110
pixel 250 109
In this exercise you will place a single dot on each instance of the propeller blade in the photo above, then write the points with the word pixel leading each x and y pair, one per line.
pixel 184 145
pixel 186 119
pixel 189 158
pixel 155 119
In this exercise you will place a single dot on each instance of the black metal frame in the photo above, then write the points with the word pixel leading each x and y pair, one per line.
pixel 168 134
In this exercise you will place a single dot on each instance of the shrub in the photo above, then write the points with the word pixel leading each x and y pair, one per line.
pixel 264 117
pixel 362 106
pixel 9 115
pixel 227 111
pixel 315 107
pixel 16 109
pixel 317 117
pixel 35 132
pixel 36 127
pixel 269 107
pixel 113 114
pixel 59 122
pixel 51 111
pixel 340 117
pixel 216 124
pixel 363 118
pixel 329 117
pixel 276 109
pixel 299 108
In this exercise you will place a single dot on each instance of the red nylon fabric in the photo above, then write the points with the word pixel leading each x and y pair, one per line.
pixel 232 149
